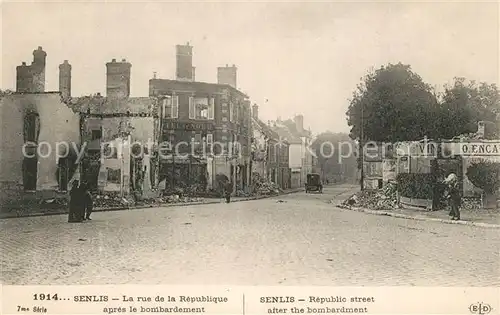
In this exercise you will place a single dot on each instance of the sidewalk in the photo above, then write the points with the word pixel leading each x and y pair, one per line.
pixel 472 217
pixel 58 211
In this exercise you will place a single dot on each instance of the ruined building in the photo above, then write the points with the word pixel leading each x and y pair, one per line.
pixel 34 123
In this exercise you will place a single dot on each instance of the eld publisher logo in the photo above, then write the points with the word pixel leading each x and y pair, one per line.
pixel 480 308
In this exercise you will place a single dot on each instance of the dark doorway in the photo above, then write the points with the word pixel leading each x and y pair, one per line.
pixel 63 174
pixel 30 169
pixel 244 176
pixel 91 166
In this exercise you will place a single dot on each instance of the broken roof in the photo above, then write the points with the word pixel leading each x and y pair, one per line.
pixel 268 131
pixel 103 105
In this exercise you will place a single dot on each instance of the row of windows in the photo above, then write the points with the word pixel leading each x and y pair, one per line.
pixel 273 153
pixel 200 108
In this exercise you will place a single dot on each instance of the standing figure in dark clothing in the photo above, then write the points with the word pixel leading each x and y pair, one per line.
pixel 87 201
pixel 76 206
pixel 454 196
pixel 228 190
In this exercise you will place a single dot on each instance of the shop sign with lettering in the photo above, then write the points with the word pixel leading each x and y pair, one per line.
pixel 480 148
pixel 174 125
pixel 421 149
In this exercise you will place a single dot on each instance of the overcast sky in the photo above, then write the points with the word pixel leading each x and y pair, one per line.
pixel 303 57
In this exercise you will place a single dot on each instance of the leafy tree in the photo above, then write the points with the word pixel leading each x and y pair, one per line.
pixel 464 104
pixel 485 175
pixel 393 104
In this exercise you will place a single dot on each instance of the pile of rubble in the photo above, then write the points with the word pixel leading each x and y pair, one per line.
pixel 386 199
pixel 471 204
pixel 169 199
pixel 242 193
pixel 54 202
pixel 111 201
pixel 383 199
pixel 262 186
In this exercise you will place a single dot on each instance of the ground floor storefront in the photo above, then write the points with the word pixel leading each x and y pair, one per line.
pixel 202 175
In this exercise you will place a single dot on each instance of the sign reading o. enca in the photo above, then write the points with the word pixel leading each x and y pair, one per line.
pixel 480 148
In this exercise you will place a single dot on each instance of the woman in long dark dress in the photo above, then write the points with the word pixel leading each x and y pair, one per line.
pixel 76 205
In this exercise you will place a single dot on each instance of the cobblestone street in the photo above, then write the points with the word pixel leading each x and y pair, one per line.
pixel 297 239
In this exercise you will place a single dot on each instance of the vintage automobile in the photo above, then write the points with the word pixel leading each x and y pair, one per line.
pixel 313 183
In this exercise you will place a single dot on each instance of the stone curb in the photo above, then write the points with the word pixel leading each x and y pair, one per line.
pixel 419 218
pixel 166 205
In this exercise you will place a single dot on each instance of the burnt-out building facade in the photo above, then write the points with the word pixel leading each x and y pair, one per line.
pixel 206 131
pixel 119 135
pixel 40 139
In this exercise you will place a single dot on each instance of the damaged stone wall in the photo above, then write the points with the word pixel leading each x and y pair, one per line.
pixel 141 131
pixel 57 124
pixel 11 141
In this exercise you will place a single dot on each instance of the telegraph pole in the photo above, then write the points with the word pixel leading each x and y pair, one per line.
pixel 362 149
pixel 278 179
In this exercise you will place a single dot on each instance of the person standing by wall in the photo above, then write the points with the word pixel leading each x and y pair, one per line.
pixel 87 200
pixel 454 196
pixel 228 190
pixel 76 205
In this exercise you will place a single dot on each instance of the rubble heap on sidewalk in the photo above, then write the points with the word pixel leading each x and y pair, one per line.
pixel 110 200
pixel 471 203
pixel 242 193
pixel 386 199
pixel 169 199
pixel 262 186
pixel 178 195
pixel 382 199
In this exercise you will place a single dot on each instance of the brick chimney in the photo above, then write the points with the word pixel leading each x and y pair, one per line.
pixel 118 79
pixel 481 126
pixel 32 78
pixel 24 78
pixel 38 69
pixel 184 63
pixel 65 79
pixel 227 75
pixel 255 111
pixel 299 123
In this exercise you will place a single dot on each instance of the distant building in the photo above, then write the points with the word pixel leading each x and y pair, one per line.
pixel 300 153
pixel 270 153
